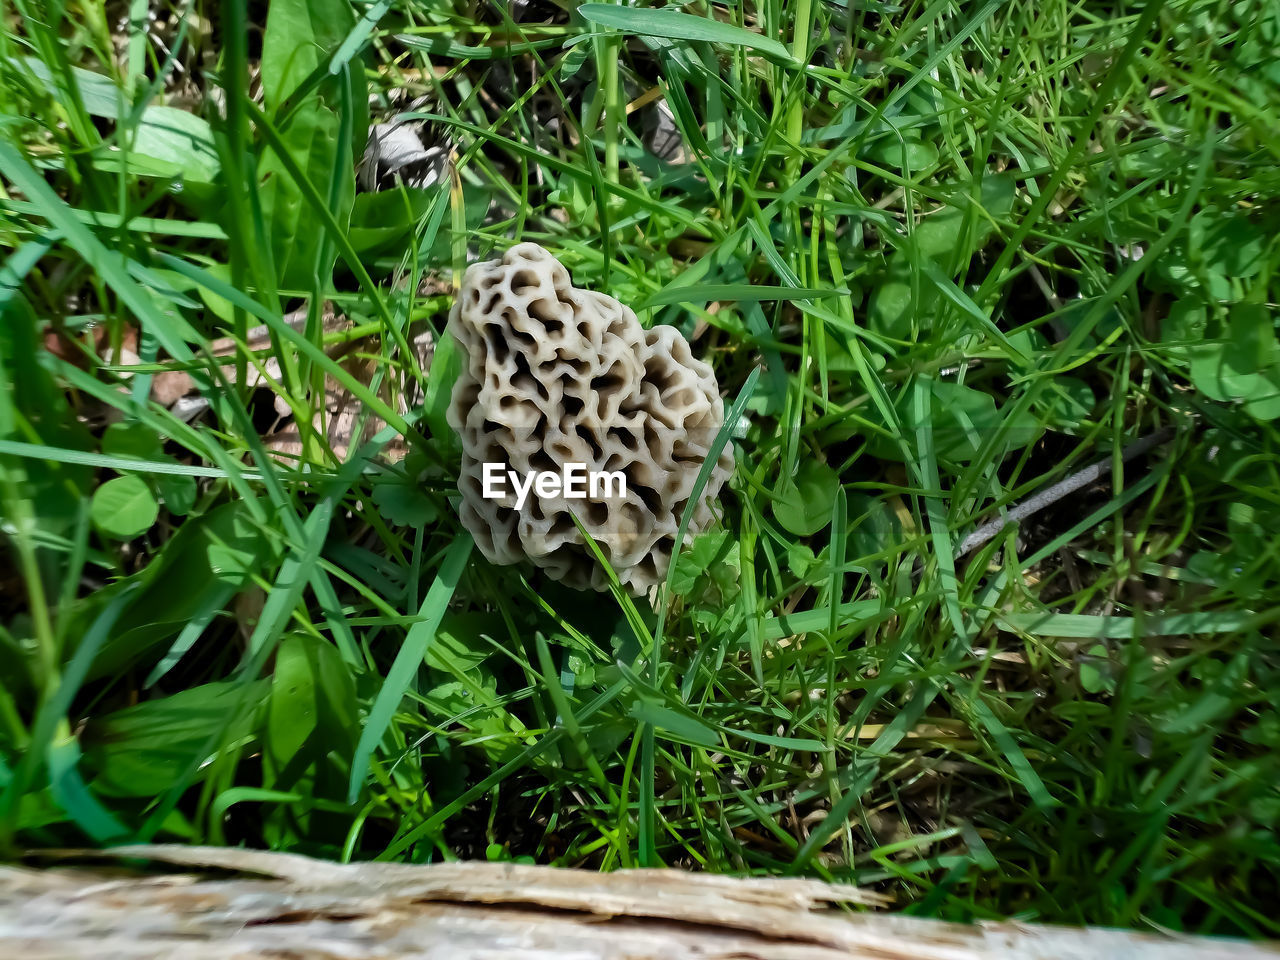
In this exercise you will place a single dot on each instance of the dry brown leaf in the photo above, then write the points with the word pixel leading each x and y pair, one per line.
pixel 338 420
pixel 341 412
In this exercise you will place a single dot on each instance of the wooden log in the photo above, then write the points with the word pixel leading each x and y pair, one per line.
pixel 296 908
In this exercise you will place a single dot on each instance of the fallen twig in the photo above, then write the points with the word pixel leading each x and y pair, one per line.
pixel 1063 488
pixel 293 906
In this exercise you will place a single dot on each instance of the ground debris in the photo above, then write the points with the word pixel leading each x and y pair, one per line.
pixel 289 905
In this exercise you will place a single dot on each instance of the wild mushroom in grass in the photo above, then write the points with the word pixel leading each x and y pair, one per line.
pixel 555 376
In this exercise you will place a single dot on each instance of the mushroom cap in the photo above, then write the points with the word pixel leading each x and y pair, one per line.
pixel 555 375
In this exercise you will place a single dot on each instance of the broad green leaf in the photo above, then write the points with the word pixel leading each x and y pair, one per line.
pixel 913 155
pixel 803 505
pixel 309 135
pixel 1242 365
pixel 124 507
pixel 37 808
pixel 800 559
pixel 474 703
pixel 1073 313
pixel 141 750
pixel 212 600
pixel 876 527
pixel 890 311
pixel 937 237
pixel 381 221
pixel 180 138
pixel 132 439
pixel 99 94
pixel 1207 371
pixel 1185 326
pixel 300 38
pixel 449 699
pixel 178 493
pixel 1095 670
pixel 572 62
pixel 1251 336
pixel 403 503
pixel 460 642
pixel 678 26
pixel 708 555
pixel 293 710
pixel 338 720
pixel 963 417
pixel 209 554
pixel 1264 402
pixel 1066 402
pixel 1227 243
pixel 680 724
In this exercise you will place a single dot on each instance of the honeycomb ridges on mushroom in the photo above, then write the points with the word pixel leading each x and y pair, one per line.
pixel 556 375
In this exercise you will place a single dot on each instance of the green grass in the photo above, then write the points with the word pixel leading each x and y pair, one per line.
pixel 943 255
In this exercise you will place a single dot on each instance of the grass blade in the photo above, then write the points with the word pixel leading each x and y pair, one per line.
pixel 408 660
pixel 678 26
pixel 741 292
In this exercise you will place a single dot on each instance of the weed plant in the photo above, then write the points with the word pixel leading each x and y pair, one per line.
pixel 942 257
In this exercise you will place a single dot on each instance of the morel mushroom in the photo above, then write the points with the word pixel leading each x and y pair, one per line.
pixel 556 376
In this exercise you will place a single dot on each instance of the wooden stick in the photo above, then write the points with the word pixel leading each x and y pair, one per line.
pixel 295 907
pixel 1063 488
